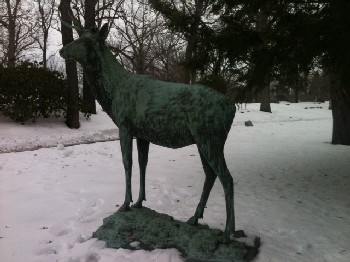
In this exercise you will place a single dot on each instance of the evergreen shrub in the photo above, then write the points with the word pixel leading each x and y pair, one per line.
pixel 29 91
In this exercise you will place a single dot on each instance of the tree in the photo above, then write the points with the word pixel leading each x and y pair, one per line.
pixel 299 33
pixel 137 31
pixel 297 45
pixel 18 40
pixel 319 30
pixel 305 31
pixel 336 33
pixel 46 10
pixel 187 18
pixel 92 12
pixel 168 53
pixel 143 43
pixel 263 61
pixel 72 118
pixel 89 103
pixel 319 89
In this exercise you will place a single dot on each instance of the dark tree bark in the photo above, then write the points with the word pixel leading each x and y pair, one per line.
pixel 261 28
pixel 12 44
pixel 192 12
pixel 296 94
pixel 72 118
pixel 12 16
pixel 189 69
pixel 190 76
pixel 45 21
pixel 265 100
pixel 20 27
pixel 340 100
pixel 339 54
pixel 89 103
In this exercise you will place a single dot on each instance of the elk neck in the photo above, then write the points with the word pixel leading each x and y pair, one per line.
pixel 105 76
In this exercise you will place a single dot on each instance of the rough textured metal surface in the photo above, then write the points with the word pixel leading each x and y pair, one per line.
pixel 167 114
pixel 159 231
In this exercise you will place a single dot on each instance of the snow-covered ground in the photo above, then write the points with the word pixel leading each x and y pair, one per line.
pixel 51 132
pixel 291 187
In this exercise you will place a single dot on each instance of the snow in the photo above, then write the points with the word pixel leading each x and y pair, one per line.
pixel 291 187
pixel 53 132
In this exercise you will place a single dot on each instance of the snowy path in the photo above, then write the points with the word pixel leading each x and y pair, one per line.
pixel 292 190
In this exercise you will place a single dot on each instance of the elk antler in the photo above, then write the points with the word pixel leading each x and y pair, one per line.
pixel 76 23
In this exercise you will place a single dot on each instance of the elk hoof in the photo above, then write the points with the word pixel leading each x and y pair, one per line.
pixel 138 204
pixel 226 238
pixel 124 208
pixel 239 234
pixel 193 221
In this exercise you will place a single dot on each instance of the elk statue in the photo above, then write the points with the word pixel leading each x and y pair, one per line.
pixel 172 115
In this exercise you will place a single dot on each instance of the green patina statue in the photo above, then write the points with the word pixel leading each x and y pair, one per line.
pixel 173 115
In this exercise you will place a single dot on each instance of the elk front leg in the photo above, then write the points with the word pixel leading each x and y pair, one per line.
pixel 126 148
pixel 143 148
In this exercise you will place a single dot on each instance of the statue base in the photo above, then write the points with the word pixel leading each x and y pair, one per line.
pixel 143 228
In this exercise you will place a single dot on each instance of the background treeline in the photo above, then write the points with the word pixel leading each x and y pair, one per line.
pixel 252 51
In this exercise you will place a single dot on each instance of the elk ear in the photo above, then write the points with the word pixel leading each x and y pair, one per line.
pixel 104 32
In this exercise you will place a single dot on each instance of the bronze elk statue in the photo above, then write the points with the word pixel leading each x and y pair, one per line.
pixel 172 115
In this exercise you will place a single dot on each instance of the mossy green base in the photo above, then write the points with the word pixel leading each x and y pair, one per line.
pixel 159 231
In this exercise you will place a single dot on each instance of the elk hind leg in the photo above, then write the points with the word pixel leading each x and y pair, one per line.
pixel 210 177
pixel 227 183
pixel 214 153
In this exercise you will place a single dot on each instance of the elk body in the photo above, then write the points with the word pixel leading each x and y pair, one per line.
pixel 167 114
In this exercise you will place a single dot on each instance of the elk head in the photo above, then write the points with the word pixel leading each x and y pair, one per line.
pixel 87 46
pixel 88 43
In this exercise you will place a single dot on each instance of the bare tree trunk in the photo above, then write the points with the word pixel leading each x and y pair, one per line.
pixel 265 99
pixel 188 61
pixel 340 99
pixel 190 76
pixel 45 52
pixel 296 94
pixel 45 16
pixel 11 54
pixel 12 16
pixel 89 103
pixel 189 67
pixel 261 27
pixel 20 28
pixel 72 118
